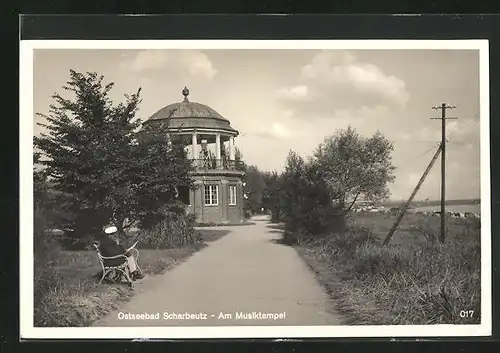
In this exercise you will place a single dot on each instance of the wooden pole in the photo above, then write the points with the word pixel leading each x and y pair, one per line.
pixel 443 173
pixel 443 119
pixel 405 207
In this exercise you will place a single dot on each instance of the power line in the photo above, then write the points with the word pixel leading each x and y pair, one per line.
pixel 413 141
pixel 424 153
pixel 410 161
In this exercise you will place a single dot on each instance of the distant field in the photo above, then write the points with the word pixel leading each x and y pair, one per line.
pixel 435 203
pixel 412 227
pixel 451 208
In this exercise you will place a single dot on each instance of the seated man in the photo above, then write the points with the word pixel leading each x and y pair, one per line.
pixel 110 248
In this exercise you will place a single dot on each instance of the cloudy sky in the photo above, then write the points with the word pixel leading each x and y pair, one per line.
pixel 292 99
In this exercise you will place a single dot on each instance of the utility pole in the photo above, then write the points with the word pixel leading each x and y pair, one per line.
pixel 443 107
pixel 419 184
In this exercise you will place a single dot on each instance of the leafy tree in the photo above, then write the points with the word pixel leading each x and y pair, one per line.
pixel 306 200
pixel 271 198
pixel 291 196
pixel 95 158
pixel 265 194
pixel 255 188
pixel 356 166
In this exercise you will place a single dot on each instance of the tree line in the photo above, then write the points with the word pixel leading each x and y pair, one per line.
pixel 312 196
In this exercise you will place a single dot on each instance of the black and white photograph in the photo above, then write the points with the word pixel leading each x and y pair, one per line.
pixel 254 189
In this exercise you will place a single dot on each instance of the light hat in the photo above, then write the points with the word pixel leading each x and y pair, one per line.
pixel 111 230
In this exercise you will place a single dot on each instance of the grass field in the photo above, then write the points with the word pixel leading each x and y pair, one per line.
pixel 76 299
pixel 416 229
pixel 413 280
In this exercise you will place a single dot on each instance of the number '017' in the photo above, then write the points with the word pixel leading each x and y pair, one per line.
pixel 466 313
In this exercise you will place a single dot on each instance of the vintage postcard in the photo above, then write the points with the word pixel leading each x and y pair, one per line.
pixel 254 189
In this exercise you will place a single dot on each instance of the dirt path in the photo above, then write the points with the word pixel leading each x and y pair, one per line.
pixel 246 272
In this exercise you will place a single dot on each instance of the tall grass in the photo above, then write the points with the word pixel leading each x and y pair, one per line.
pixel 66 283
pixel 413 283
pixel 46 251
pixel 74 297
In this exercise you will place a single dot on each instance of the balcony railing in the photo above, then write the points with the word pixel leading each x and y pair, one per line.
pixel 217 164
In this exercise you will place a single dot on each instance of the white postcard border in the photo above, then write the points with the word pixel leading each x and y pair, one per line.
pixel 27 329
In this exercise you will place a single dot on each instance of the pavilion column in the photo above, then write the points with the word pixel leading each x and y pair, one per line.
pixel 224 200
pixel 217 151
pixel 194 142
pixel 232 150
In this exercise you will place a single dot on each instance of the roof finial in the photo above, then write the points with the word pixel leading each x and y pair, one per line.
pixel 185 93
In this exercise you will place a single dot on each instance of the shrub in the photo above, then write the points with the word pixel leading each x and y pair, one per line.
pixel 176 229
pixel 308 209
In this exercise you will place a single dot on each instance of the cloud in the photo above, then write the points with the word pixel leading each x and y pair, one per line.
pixel 336 81
pixel 427 133
pixel 403 136
pixel 192 62
pixel 275 131
pixel 297 93
pixel 455 166
pixel 457 131
pixel 414 178
pixel 280 131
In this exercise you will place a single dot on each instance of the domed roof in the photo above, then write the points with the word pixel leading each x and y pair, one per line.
pixel 190 115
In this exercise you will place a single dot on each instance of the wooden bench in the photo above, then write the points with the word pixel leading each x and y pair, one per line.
pixel 116 273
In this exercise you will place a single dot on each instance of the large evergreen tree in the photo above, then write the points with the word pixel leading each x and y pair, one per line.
pixel 161 168
pixel 92 155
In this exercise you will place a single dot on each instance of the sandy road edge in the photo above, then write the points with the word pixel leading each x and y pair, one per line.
pixel 330 282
